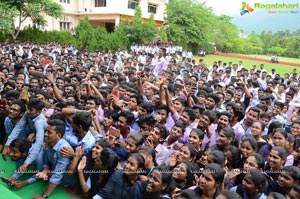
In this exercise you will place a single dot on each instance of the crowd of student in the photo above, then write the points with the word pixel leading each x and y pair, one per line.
pixel 139 125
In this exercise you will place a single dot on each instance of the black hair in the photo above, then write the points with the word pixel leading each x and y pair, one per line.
pixel 238 111
pixel 251 140
pixel 128 115
pixel 188 194
pixel 198 132
pixel 12 94
pixel 282 152
pixel 59 116
pixel 229 194
pixel 22 144
pixel 94 98
pixel 276 195
pixel 190 113
pixel 214 96
pixel 35 103
pixel 147 106
pixel 109 159
pixel 259 159
pixel 59 125
pixel 210 114
pixel 148 151
pixel 83 119
pixel 21 104
pixel 216 171
pixel 226 113
pixel 258 178
pixel 218 157
pixel 294 171
pixel 163 130
pixel 140 160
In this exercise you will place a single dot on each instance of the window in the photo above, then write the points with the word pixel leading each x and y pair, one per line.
pixel 64 1
pixel 100 3
pixel 64 25
pixel 152 8
pixel 132 4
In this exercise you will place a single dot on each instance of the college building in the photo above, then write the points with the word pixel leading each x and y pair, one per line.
pixel 104 13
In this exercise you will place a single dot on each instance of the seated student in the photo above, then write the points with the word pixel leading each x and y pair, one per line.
pixel 19 150
pixel 105 162
pixel 54 162
pixel 287 179
pixel 252 185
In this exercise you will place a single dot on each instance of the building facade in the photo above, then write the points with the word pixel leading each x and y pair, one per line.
pixel 104 13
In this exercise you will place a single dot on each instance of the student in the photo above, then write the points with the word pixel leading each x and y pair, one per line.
pixel 149 156
pixel 36 122
pixel 210 181
pixel 105 164
pixel 294 193
pixel 54 163
pixel 157 184
pixel 125 183
pixel 252 185
pixel 155 140
pixel 19 150
pixel 287 179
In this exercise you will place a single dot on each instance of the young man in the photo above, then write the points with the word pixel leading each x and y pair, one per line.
pixel 55 163
pixel 36 122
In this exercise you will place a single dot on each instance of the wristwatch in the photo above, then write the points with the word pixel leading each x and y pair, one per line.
pixel 44 195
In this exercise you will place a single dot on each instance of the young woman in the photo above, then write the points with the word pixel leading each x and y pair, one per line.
pixel 125 184
pixel 105 163
pixel 186 152
pixel 182 175
pixel 288 178
pixel 157 183
pixel 210 181
pixel 248 147
pixel 252 185
pixel 225 138
pixel 276 161
pixel 280 138
pixel 257 130
pixel 195 138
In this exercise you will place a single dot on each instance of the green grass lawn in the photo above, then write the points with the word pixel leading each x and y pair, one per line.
pixel 279 68
pixel 268 57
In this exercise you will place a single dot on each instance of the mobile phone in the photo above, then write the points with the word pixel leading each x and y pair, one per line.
pixel 5 180
pixel 115 93
pixel 25 90
pixel 114 132
pixel 2 104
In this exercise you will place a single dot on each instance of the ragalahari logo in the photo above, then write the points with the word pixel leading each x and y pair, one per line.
pixel 246 8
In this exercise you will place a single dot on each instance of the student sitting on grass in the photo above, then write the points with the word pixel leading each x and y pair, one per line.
pixel 19 150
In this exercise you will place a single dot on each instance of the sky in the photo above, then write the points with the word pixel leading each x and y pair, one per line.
pixel 228 7
pixel 258 20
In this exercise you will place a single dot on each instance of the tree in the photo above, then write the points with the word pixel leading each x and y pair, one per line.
pixel 190 24
pixel 150 30
pixel 85 35
pixel 24 9
pixel 136 30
